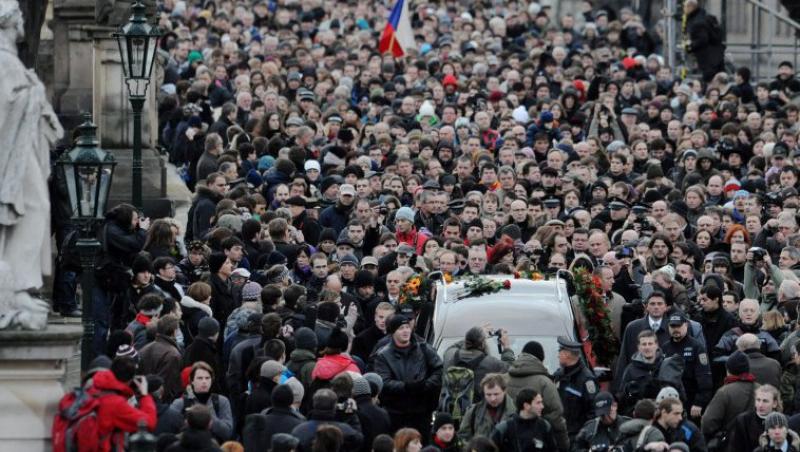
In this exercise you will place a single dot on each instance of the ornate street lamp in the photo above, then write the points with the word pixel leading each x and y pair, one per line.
pixel 138 43
pixel 87 171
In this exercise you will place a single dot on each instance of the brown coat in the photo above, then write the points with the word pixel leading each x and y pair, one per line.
pixel 163 358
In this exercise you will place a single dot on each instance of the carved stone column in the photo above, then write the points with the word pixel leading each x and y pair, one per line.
pixel 32 368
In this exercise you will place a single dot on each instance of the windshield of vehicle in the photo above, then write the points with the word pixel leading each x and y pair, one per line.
pixel 549 344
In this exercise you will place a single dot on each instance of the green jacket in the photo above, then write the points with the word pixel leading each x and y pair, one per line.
pixel 751 290
pixel 529 372
pixel 789 392
pixel 477 421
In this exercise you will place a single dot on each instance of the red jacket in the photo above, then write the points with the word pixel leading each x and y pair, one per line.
pixel 115 416
pixel 413 238
pixel 330 366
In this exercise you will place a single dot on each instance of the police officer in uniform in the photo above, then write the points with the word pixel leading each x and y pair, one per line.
pixel 577 385
pixel 602 432
pixel 697 381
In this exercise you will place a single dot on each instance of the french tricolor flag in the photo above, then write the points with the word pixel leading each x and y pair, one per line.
pixel 398 37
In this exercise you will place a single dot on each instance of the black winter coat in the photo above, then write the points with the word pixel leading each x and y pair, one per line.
pixel 353 439
pixel 523 435
pixel 192 440
pixel 374 420
pixel 203 208
pixel 412 377
pixel 261 427
pixel 169 420
pixel 744 433
pixel 710 55
pixel 204 349
pixel 261 397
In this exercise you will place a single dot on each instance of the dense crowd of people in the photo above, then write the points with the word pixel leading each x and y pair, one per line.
pixel 511 138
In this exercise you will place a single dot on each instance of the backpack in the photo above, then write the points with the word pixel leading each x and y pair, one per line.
pixel 458 388
pixel 715 35
pixel 75 427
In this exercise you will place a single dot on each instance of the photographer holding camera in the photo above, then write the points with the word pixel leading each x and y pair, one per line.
pixel 115 416
pixel 761 278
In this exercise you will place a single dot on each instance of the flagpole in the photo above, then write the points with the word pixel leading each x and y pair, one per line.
pixel 391 45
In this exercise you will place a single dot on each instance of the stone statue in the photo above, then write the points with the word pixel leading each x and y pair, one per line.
pixel 114 13
pixel 29 129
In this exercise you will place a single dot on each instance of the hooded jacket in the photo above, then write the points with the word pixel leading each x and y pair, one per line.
pixel 729 400
pixel 330 366
pixel 765 446
pixel 639 381
pixel 457 355
pixel 478 421
pixel 115 416
pixel 529 372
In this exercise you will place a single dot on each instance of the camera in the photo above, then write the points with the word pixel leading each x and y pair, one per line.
pixel 383 210
pixel 625 252
pixel 495 333
pixel 758 253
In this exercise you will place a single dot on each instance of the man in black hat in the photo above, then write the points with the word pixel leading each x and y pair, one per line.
pixel 303 222
pixel 577 385
pixel 785 83
pixel 618 213
pixel 412 377
pixel 602 432
pixel 696 368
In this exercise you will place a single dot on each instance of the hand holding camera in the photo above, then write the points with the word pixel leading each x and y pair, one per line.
pixel 140 384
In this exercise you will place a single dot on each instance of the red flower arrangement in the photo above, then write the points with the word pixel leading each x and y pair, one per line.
pixel 589 292
pixel 479 285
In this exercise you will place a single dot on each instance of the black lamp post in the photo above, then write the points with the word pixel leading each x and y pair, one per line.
pixel 142 440
pixel 138 43
pixel 87 171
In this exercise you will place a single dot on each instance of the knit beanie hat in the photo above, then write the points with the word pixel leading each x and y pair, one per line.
pixel 667 392
pixel 207 327
pixel 361 387
pixel 327 234
pixel 271 368
pixel 230 221
pixel 375 382
pixel 128 351
pixel 298 391
pixel 737 363
pixel 305 339
pixel 251 291
pixel 534 348
pixel 395 322
pixel 775 420
pixel 215 262
pixel 404 213
pixel 442 419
